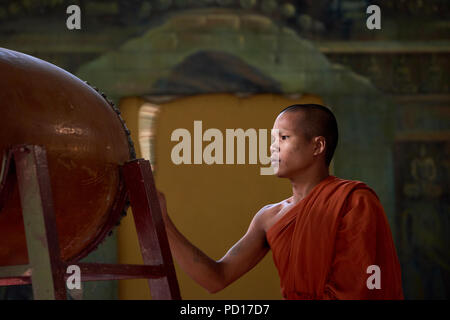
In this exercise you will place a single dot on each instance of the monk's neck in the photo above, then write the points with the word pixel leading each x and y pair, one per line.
pixel 302 185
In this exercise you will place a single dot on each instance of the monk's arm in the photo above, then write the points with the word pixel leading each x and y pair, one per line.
pixel 211 274
pixel 247 252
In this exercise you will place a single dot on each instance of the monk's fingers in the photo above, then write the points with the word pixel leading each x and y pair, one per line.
pixel 162 200
pixel 160 194
pixel 27 273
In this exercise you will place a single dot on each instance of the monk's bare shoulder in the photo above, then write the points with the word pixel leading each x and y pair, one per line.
pixel 269 212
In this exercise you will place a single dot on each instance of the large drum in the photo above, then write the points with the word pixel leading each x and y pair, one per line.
pixel 86 142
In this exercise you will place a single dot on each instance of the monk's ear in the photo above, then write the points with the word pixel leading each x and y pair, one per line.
pixel 319 145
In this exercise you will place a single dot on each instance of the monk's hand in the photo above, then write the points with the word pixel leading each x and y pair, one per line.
pixel 163 205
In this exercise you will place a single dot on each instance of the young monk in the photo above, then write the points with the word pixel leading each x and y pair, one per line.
pixel 330 239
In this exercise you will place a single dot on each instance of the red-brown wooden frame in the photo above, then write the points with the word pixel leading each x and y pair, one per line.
pixel 36 200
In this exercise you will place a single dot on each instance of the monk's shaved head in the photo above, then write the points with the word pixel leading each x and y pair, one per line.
pixel 317 120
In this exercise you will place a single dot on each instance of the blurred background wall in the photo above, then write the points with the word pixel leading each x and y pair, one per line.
pixel 236 63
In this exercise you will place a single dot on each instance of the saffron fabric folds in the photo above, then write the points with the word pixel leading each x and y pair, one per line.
pixel 323 246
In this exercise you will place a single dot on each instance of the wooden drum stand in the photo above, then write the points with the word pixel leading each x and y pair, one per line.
pixel 48 271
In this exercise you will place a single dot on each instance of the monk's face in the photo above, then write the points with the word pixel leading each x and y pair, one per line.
pixel 294 150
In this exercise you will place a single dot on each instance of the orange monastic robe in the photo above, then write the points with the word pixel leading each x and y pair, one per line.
pixel 323 246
